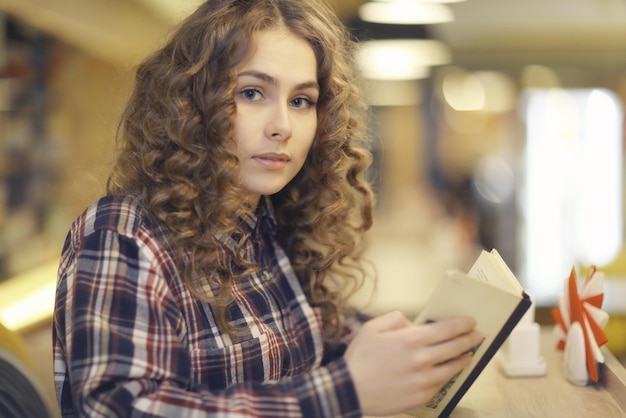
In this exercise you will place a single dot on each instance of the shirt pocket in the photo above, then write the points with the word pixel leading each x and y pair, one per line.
pixel 256 359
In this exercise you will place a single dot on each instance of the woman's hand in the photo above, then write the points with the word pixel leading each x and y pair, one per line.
pixel 397 365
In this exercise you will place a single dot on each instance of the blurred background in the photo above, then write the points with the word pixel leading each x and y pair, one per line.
pixel 496 124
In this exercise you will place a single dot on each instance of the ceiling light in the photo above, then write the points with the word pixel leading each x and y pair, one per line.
pixel 405 12
pixel 401 59
pixel 487 91
pixel 463 91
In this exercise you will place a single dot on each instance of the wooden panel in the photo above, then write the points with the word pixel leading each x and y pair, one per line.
pixel 493 395
pixel 118 31
pixel 121 32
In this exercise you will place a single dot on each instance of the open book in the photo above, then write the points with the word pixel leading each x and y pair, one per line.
pixel 490 293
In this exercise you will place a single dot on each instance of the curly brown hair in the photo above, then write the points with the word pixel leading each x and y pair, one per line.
pixel 176 136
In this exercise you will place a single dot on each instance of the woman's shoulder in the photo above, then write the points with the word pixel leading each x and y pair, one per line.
pixel 122 214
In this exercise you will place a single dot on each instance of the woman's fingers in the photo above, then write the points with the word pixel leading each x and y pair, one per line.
pixel 396 364
pixel 447 350
pixel 446 329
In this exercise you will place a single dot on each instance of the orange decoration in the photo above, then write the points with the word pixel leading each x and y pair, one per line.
pixel 577 311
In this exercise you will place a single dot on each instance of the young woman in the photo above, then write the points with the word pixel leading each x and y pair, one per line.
pixel 211 279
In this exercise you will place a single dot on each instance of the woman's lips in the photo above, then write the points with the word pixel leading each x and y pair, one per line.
pixel 272 161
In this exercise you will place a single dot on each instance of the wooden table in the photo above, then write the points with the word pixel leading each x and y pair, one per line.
pixel 493 395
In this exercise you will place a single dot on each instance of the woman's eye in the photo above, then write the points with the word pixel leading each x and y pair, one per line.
pixel 302 103
pixel 251 94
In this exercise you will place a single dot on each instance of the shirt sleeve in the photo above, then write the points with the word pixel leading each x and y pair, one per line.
pixel 123 341
pixel 353 321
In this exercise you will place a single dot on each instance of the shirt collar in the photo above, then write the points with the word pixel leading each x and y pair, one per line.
pixel 254 224
pixel 266 215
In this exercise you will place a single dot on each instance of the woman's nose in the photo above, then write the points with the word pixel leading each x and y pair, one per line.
pixel 278 126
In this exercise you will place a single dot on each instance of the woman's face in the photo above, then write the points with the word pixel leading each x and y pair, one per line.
pixel 276 120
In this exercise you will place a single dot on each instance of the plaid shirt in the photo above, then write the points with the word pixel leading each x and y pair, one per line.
pixel 131 340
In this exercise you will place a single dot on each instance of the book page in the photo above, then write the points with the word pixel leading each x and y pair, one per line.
pixel 490 267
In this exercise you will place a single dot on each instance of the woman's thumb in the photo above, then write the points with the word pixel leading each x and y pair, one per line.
pixel 388 322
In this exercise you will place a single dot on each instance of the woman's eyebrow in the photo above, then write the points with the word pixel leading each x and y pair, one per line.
pixel 260 75
pixel 272 80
